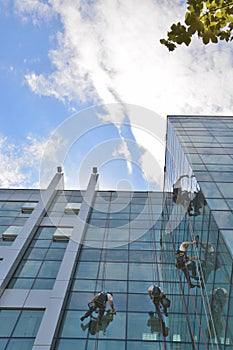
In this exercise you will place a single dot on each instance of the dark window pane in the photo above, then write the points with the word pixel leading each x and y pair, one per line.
pixel 28 323
pixel 8 320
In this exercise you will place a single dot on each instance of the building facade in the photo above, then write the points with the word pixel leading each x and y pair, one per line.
pixel 199 153
pixel 60 247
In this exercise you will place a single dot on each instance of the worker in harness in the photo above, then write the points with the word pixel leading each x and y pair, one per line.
pixel 195 205
pixel 98 302
pixel 186 264
pixel 218 300
pixel 179 195
pixel 209 260
pixel 158 297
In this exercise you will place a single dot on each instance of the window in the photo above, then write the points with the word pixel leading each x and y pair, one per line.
pixel 72 208
pixel 19 328
pixel 28 207
pixel 40 264
pixel 62 234
pixel 11 233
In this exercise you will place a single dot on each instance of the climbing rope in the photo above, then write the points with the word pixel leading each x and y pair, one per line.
pixel 201 276
pixel 156 262
pixel 102 262
pixel 192 297
pixel 182 290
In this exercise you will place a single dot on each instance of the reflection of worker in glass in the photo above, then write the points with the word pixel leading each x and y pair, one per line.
pixel 158 297
pixel 186 264
pixel 94 326
pixel 218 299
pixel 211 260
pixel 196 204
pixel 156 325
pixel 180 196
pixel 98 302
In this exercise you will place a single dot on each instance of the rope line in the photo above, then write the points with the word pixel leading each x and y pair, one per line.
pixel 102 262
pixel 181 286
pixel 192 297
pixel 201 276
pixel 187 272
pixel 182 293
pixel 155 264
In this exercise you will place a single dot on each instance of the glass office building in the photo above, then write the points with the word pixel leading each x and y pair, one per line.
pixel 60 247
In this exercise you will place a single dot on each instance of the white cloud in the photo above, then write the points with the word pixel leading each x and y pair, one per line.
pixel 12 164
pixel 124 151
pixel 153 157
pixel 20 166
pixel 109 51
pixel 34 10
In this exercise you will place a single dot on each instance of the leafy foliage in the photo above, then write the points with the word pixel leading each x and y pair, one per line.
pixel 212 20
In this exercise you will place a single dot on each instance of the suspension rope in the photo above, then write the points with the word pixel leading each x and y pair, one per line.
pixel 182 292
pixel 170 224
pixel 155 263
pixel 187 274
pixel 200 273
pixel 102 262
pixel 192 298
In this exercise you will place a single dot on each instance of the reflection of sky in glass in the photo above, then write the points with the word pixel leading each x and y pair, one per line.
pixel 210 190
pixel 224 219
pixel 217 204
pixel 217 158
pixel 226 189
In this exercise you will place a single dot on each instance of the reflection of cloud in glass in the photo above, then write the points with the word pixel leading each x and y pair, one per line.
pixel 113 153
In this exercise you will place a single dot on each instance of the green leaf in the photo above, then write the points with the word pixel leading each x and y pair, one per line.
pixel 178 29
pixel 214 39
pixel 193 28
pixel 168 44
pixel 206 38
pixel 187 40
pixel 171 47
pixel 188 18
pixel 212 20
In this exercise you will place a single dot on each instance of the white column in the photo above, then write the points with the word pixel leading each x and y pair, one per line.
pixel 13 254
pixel 53 313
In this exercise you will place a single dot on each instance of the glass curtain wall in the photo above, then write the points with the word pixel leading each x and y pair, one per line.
pixel 197 156
pixel 127 248
pixel 19 328
pixel 11 217
pixel 120 254
pixel 40 264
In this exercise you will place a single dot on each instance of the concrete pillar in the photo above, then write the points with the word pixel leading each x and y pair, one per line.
pixel 12 255
pixel 53 313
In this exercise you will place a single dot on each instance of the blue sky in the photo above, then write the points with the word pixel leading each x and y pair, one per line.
pixel 24 47
pixel 61 59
